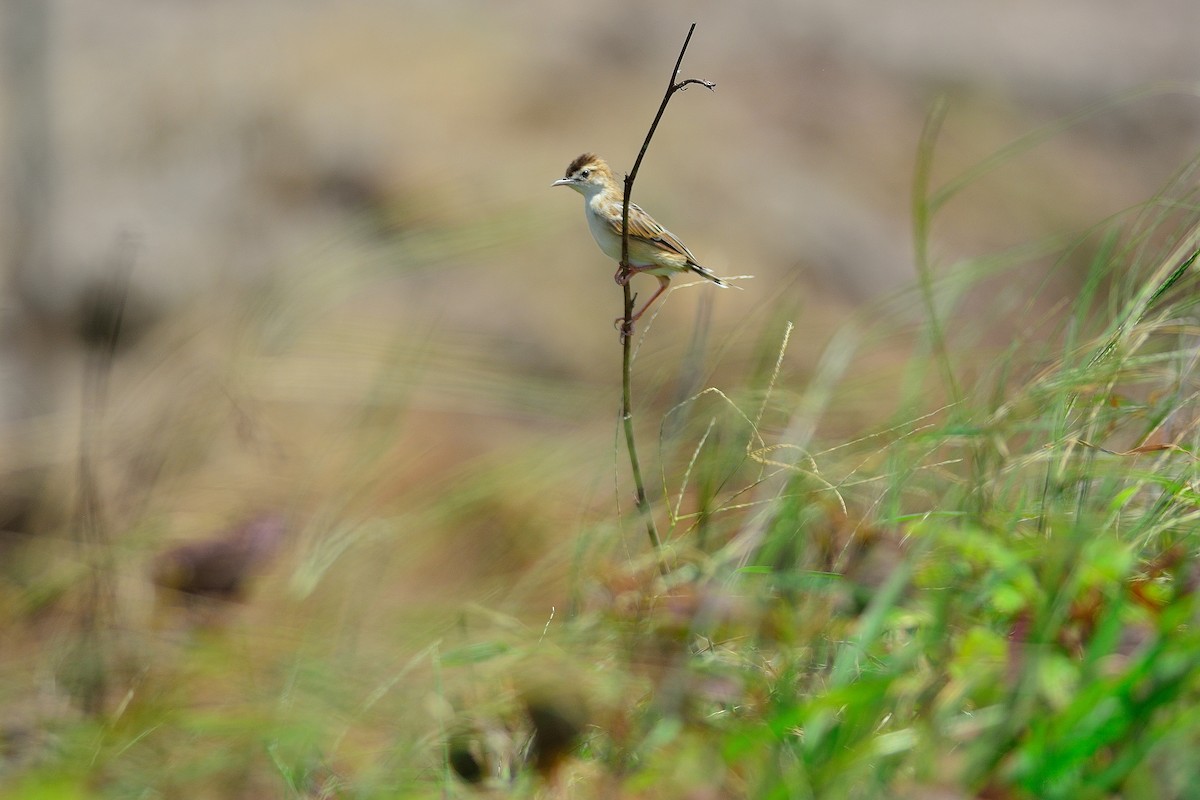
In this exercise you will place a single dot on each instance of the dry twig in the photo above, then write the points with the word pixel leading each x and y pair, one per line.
pixel 643 504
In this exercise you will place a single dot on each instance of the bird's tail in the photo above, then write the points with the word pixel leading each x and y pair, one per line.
pixel 707 273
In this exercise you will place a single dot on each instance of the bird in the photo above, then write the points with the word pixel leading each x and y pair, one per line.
pixel 653 249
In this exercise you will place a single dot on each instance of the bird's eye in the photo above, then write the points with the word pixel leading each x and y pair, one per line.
pixel 583 173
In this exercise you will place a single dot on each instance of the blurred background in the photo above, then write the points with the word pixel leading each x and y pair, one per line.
pixel 347 294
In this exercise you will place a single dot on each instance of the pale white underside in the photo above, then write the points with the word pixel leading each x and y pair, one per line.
pixel 610 242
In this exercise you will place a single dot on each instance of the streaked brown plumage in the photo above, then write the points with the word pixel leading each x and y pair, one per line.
pixel 653 249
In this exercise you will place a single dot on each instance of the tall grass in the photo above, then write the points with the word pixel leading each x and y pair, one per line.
pixel 995 595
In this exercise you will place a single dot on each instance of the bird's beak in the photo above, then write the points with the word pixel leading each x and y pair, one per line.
pixel 562 182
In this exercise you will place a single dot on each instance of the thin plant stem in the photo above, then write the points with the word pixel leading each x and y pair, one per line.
pixel 95 643
pixel 643 502
pixel 922 219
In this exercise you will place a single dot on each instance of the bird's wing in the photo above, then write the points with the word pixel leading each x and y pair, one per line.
pixel 642 226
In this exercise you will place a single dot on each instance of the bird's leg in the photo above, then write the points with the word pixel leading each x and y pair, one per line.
pixel 625 272
pixel 626 326
pixel 663 282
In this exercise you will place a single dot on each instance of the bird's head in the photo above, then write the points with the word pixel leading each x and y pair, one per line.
pixel 587 175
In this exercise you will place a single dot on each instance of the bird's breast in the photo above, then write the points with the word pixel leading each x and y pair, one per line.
pixel 602 232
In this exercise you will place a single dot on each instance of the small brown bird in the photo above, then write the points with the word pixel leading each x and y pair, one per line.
pixel 653 249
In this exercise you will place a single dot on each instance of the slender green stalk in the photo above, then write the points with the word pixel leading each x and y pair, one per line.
pixel 643 502
pixel 922 219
